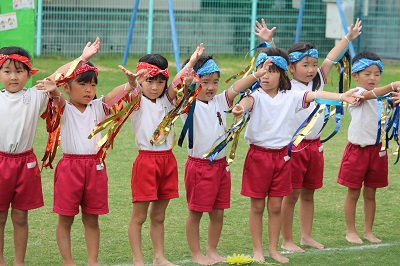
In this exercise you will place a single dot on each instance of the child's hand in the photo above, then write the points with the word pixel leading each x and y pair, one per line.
pixel 90 50
pixel 46 85
pixel 351 96
pixel 238 110
pixel 355 30
pixel 263 32
pixel 135 78
pixel 188 79
pixel 196 55
pixel 261 71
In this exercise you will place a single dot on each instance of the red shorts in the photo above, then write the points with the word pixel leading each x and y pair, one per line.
pixel 208 186
pixel 364 164
pixel 20 181
pixel 308 164
pixel 266 172
pixel 154 176
pixel 80 179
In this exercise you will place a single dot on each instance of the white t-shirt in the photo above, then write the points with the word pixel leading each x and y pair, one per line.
pixel 363 128
pixel 271 123
pixel 20 112
pixel 302 115
pixel 208 123
pixel 77 126
pixel 146 119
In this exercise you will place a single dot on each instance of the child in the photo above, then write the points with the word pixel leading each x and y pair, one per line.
pixel 154 173
pixel 363 161
pixel 307 158
pixel 80 177
pixel 208 186
pixel 267 169
pixel 20 179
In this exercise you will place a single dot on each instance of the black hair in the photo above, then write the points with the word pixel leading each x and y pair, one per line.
pixel 284 81
pixel 202 60
pixel 159 61
pixel 9 50
pixel 303 47
pixel 366 54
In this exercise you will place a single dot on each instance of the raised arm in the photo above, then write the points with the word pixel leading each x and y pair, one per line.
pixel 262 31
pixel 242 84
pixel 348 96
pixel 192 61
pixel 339 49
pixel 391 87
pixel 88 51
pixel 134 79
pixel 48 85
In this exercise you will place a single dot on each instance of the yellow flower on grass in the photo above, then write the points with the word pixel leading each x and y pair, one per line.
pixel 239 259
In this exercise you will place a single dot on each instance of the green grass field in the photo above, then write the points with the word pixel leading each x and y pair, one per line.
pixel 329 224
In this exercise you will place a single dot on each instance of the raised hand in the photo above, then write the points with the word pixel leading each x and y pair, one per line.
pixel 196 55
pixel 355 30
pixel 261 71
pixel 135 79
pixel 238 110
pixel 90 49
pixel 263 32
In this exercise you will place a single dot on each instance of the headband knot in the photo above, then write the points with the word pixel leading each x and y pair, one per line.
pixel 363 63
pixel 152 70
pixel 279 61
pixel 297 56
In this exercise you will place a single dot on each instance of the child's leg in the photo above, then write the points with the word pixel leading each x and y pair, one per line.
pixel 92 237
pixel 214 234
pixel 3 220
pixel 193 238
pixel 138 217
pixel 274 205
pixel 257 207
pixel 288 204
pixel 20 224
pixel 157 217
pixel 63 236
pixel 306 214
pixel 350 205
pixel 369 213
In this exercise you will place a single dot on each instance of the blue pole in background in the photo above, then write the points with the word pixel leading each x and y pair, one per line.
pixel 174 35
pixel 39 28
pixel 253 20
pixel 360 17
pixel 299 21
pixel 344 24
pixel 150 26
pixel 129 38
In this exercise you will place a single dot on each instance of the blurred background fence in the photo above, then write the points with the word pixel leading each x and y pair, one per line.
pixel 224 26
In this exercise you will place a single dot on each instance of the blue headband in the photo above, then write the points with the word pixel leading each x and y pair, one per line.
pixel 363 63
pixel 209 67
pixel 279 61
pixel 297 56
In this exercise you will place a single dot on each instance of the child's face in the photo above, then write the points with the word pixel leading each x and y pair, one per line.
pixel 13 76
pixel 209 87
pixel 153 88
pixel 270 81
pixel 304 70
pixel 368 78
pixel 80 93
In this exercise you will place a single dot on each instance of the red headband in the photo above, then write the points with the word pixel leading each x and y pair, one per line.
pixel 152 69
pixel 64 78
pixel 24 60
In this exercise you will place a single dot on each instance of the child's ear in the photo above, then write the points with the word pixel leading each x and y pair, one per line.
pixel 66 87
pixel 291 68
pixel 354 76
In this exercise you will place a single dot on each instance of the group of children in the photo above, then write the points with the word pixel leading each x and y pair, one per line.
pixel 278 106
